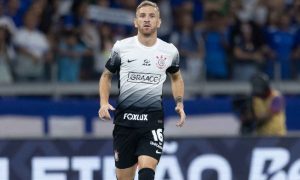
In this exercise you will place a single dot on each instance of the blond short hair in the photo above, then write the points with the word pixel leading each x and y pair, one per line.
pixel 148 3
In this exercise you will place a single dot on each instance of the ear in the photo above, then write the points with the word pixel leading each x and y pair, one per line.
pixel 135 23
pixel 159 23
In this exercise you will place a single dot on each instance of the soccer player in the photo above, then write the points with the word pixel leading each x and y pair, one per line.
pixel 142 63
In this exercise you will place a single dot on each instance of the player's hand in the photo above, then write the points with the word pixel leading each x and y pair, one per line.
pixel 180 111
pixel 104 112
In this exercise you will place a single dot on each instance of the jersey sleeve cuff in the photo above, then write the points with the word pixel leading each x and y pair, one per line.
pixel 173 69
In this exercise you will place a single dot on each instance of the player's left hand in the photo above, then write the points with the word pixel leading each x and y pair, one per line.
pixel 179 109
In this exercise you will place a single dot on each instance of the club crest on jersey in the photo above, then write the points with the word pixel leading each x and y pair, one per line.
pixel 161 61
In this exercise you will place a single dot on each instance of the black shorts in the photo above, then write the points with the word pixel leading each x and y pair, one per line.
pixel 129 143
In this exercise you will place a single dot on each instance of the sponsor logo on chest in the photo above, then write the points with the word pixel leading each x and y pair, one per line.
pixel 147 62
pixel 135 117
pixel 148 78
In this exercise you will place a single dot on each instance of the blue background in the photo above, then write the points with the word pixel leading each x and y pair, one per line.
pixel 88 108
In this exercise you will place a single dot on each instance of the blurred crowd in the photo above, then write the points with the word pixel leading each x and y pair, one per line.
pixel 61 40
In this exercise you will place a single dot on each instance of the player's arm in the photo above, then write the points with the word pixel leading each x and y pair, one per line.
pixel 260 114
pixel 104 91
pixel 111 67
pixel 178 93
pixel 263 117
pixel 276 106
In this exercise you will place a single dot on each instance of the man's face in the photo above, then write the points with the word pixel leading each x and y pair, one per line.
pixel 147 20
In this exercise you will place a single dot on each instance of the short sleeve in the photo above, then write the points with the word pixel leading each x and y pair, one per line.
pixel 114 61
pixel 277 104
pixel 175 63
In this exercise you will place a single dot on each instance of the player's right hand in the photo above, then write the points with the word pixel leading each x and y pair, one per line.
pixel 104 112
pixel 180 111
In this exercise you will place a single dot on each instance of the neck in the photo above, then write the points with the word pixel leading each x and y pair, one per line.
pixel 267 94
pixel 147 40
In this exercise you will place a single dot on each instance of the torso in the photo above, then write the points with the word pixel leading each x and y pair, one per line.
pixel 142 72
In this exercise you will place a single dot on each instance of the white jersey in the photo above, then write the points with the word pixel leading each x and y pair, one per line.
pixel 142 72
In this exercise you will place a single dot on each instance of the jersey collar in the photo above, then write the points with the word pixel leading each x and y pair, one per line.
pixel 143 46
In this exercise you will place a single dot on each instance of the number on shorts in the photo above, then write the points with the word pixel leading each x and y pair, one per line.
pixel 157 135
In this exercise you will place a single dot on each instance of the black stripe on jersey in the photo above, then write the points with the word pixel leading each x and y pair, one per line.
pixel 173 69
pixel 114 62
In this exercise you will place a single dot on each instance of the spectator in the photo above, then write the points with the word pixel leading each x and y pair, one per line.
pixel 296 52
pixel 89 37
pixel 296 57
pixel 79 12
pixel 269 29
pixel 48 11
pixel 247 53
pixel 167 17
pixel 208 43
pixel 277 6
pixel 103 3
pixel 45 10
pixel 124 30
pixel 190 47
pixel 294 11
pixel 216 5
pixel 216 44
pixel 103 53
pixel 8 23
pixel 253 10
pixel 15 11
pixel 282 41
pixel 32 50
pixel 260 12
pixel 269 108
pixel 70 53
pixel 6 55
pixel 193 7
pixel 128 4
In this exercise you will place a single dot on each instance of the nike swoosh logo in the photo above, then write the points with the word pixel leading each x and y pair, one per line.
pixel 131 60
pixel 158 152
